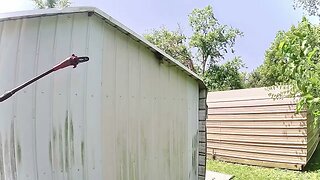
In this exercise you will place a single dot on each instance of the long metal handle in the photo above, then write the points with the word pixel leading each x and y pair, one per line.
pixel 73 60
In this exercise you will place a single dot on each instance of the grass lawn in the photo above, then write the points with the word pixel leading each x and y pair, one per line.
pixel 311 171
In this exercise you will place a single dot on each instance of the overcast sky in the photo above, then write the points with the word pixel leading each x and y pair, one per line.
pixel 259 20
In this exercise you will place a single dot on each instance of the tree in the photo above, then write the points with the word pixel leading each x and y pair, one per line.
pixel 45 4
pixel 296 60
pixel 255 79
pixel 311 6
pixel 226 76
pixel 210 39
pixel 172 43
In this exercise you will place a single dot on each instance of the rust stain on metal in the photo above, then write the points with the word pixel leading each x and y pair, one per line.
pixel 194 154
pixel 1 160
pixel 61 149
pixel 66 142
pixel 7 157
pixel 13 152
pixel 19 152
pixel 82 153
pixel 53 144
pixel 50 154
pixel 167 151
pixel 54 135
pixel 72 141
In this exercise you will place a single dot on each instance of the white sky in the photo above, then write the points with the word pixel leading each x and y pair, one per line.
pixel 15 5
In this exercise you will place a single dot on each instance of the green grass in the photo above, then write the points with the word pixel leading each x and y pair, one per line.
pixel 311 171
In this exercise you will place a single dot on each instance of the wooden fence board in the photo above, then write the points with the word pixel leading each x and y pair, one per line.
pixel 262 149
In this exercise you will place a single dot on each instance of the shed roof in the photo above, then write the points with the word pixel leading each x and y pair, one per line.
pixel 108 19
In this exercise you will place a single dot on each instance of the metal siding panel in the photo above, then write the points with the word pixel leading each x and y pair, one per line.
pixel 10 34
pixel 61 89
pixel 192 101
pixel 24 108
pixel 133 109
pixel 154 129
pixel 164 121
pixel 184 121
pixel 93 118
pixel 43 98
pixel 3 116
pixel 145 116
pixel 175 129
pixel 122 93
pixel 178 126
pixel 108 104
pixel 77 106
pixel 171 117
pixel 147 136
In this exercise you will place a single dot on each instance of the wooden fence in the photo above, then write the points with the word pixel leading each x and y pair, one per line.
pixel 248 127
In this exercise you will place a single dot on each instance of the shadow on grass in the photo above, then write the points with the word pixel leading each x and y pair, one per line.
pixel 314 162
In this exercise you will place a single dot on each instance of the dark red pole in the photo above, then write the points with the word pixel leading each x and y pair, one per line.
pixel 73 60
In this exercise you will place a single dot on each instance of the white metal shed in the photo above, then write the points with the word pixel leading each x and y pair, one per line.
pixel 131 112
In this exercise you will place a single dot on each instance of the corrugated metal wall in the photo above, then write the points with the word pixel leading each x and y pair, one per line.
pixel 122 115
pixel 249 127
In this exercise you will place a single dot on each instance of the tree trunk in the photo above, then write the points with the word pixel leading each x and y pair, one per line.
pixel 204 62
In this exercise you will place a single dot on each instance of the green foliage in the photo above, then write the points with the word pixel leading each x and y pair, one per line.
pixel 255 79
pixel 173 43
pixel 296 63
pixel 225 77
pixel 311 6
pixel 211 39
pixel 45 4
